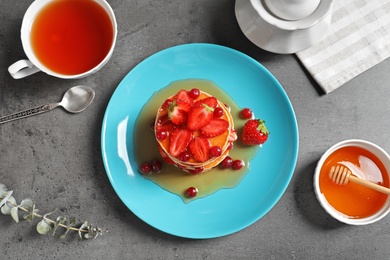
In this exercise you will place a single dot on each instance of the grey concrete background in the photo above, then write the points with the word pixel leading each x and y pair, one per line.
pixel 55 158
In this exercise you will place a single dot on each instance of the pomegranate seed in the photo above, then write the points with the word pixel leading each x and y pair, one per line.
pixel 194 93
pixel 161 135
pixel 184 156
pixel 246 113
pixel 156 166
pixel 191 192
pixel 215 151
pixel 145 168
pixel 237 164
pixel 226 163
pixel 230 146
pixel 218 112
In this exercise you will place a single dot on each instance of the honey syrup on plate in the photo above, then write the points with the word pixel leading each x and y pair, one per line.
pixel 71 36
pixel 354 200
pixel 173 179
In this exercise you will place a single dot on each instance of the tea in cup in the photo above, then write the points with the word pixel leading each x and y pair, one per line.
pixel 66 38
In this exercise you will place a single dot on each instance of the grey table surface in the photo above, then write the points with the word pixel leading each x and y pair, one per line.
pixel 55 158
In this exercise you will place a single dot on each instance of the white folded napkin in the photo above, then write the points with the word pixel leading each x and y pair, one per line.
pixel 358 39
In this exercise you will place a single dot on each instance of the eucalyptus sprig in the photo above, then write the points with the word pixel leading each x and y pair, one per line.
pixel 9 206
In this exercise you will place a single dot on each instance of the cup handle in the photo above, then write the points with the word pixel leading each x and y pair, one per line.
pixel 22 68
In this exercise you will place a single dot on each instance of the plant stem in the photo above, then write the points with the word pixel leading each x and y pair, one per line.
pixel 50 220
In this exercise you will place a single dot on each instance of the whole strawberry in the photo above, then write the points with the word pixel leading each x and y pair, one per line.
pixel 255 132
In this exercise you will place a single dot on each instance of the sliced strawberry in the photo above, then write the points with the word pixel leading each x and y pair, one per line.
pixel 184 96
pixel 199 117
pixel 210 101
pixel 216 127
pixel 199 148
pixel 164 124
pixel 180 138
pixel 178 111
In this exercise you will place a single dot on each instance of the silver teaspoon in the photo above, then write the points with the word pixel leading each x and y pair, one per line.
pixel 75 100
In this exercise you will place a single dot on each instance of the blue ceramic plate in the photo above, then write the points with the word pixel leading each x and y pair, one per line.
pixel 228 210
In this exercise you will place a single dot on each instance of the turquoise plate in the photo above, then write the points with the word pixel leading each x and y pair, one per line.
pixel 228 210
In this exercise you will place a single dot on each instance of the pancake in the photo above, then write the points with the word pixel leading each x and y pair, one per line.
pixel 181 105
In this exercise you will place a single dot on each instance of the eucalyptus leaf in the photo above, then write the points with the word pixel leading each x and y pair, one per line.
pixel 98 231
pixel 91 232
pixel 49 213
pixel 3 190
pixel 81 229
pixel 5 198
pixel 27 204
pixel 31 214
pixel 43 227
pixel 6 209
pixel 60 220
pixel 72 222
pixel 14 214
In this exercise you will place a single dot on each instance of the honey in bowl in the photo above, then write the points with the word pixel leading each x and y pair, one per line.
pixel 353 200
pixel 71 37
pixel 170 177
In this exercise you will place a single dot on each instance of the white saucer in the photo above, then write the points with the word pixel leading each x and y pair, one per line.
pixel 282 36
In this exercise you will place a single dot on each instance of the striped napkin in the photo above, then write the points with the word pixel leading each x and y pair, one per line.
pixel 358 39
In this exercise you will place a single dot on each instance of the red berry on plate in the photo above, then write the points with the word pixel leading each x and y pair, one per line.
pixel 191 192
pixel 156 165
pixel 145 168
pixel 218 112
pixel 246 113
pixel 255 132
pixel 197 170
pixel 226 163
pixel 194 93
pixel 161 135
pixel 237 164
pixel 215 151
pixel 184 156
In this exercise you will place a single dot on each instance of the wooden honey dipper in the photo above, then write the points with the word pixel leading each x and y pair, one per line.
pixel 341 175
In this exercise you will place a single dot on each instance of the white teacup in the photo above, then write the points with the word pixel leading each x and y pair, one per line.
pixel 33 64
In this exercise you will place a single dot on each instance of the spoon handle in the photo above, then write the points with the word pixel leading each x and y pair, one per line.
pixel 26 113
